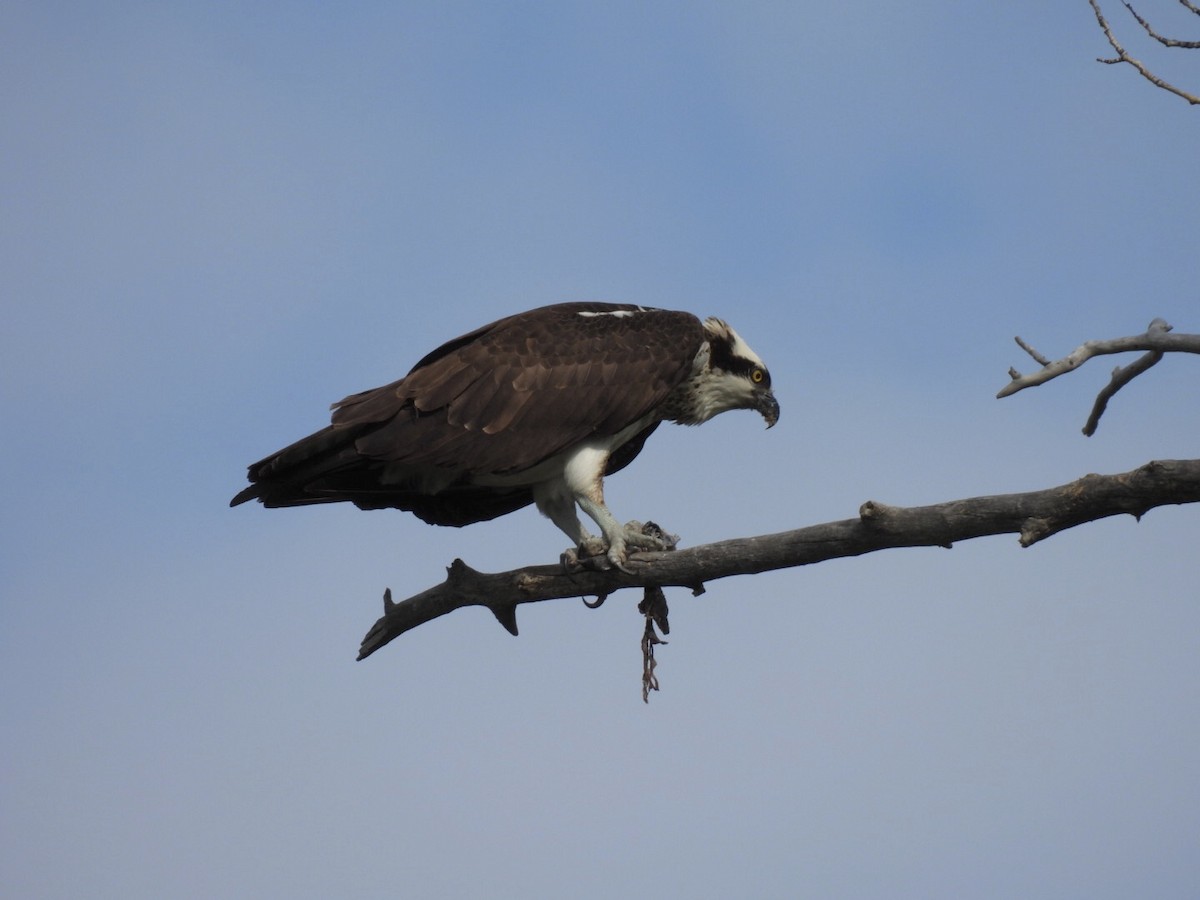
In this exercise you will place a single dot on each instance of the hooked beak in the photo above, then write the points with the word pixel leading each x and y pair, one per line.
pixel 767 406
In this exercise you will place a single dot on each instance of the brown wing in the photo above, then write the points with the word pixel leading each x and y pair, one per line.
pixel 505 397
pixel 499 399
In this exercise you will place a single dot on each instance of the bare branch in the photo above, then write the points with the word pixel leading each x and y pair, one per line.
pixel 1123 57
pixel 1165 41
pixel 1034 516
pixel 1028 349
pixel 1156 341
pixel 1120 378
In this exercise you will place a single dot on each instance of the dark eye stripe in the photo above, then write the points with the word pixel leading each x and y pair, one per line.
pixel 722 358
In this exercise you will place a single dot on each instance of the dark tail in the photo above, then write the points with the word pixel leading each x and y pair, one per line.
pixel 300 474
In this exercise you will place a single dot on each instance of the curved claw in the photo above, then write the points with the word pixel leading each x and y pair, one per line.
pixel 620 566
pixel 617 555
pixel 595 553
pixel 569 559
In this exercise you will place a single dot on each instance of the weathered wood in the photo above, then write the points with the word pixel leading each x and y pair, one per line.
pixel 1156 341
pixel 1034 516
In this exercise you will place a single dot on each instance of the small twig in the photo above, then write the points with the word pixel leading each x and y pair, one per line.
pixel 1037 356
pixel 1165 41
pixel 1123 57
pixel 1155 342
pixel 1120 378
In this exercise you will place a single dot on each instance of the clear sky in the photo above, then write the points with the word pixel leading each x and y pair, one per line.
pixel 218 218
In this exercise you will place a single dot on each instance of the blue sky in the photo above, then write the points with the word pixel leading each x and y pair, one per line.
pixel 217 220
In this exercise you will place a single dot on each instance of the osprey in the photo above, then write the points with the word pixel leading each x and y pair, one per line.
pixel 534 408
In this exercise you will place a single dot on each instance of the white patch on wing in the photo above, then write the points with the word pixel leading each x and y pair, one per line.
pixel 615 313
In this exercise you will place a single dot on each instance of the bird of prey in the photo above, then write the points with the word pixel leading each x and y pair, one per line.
pixel 535 408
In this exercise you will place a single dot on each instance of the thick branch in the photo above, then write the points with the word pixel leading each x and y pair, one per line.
pixel 1124 57
pixel 1034 516
pixel 1156 341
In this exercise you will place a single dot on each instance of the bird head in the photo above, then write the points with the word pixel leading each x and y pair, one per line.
pixel 736 377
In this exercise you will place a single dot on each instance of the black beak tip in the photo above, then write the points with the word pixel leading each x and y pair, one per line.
pixel 769 407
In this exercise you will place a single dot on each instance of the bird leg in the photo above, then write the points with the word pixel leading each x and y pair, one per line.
pixel 618 541
pixel 614 532
pixel 596 551
pixel 624 539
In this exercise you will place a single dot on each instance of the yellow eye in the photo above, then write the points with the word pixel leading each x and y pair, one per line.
pixel 757 376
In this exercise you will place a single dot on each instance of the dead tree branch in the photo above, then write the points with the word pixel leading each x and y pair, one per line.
pixel 1166 41
pixel 1124 57
pixel 1034 516
pixel 1156 341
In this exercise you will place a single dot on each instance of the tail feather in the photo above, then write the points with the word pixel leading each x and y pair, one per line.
pixel 291 476
pixel 328 467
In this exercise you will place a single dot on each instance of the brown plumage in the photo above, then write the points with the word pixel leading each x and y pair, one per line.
pixel 488 422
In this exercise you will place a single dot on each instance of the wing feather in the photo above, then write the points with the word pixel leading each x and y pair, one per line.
pixel 470 410
pixel 531 385
pixel 499 399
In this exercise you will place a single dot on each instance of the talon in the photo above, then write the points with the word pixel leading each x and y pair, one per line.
pixel 570 561
pixel 592 546
pixel 618 555
pixel 622 568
